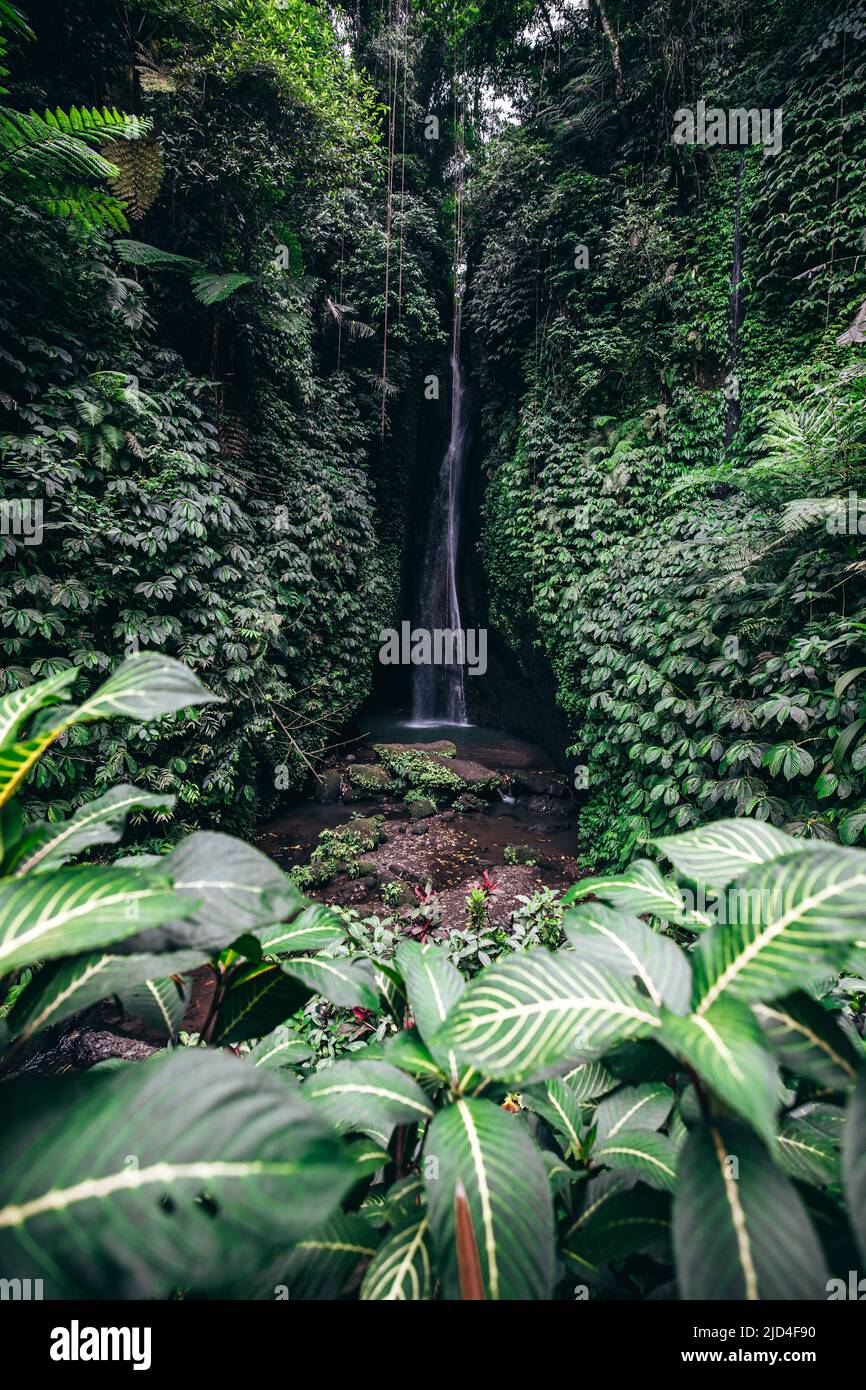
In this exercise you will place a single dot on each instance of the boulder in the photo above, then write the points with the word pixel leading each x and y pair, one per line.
pixel 543 806
pixel 326 785
pixel 423 807
pixel 468 804
pixel 541 783
pixel 370 778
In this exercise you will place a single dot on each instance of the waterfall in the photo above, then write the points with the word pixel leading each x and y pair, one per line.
pixel 438 692
pixel 735 312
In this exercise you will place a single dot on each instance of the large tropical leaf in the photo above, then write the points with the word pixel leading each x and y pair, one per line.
pixel 727 1048
pixel 99 822
pixel 740 1229
pixel 371 1097
pixel 314 929
pixel 401 1269
pixel 433 986
pixel 854 1162
pixel 103 1176
pixel 807 1039
pixel 281 1049
pixel 18 705
pixel 259 998
pixel 714 855
pixel 652 1157
pixel 347 983
pixel 639 890
pixel 620 942
pixel 535 1009
pixel 633 1107
pixel 557 1103
pixel 160 1002
pixel 785 924
pixel 619 1218
pixel 327 1263
pixel 65 987
pixel 65 911
pixel 144 687
pixel 476 1144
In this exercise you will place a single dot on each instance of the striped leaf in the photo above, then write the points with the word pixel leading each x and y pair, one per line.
pixel 314 929
pixel 368 1158
pixel 160 1003
pixel 348 983
pixel 535 1009
pixel 280 1049
pixel 651 1156
pixel 641 889
pixel 371 1097
pixel 555 1102
pixel 785 924
pixel 18 705
pixel 103 1174
pixel 401 1269
pixel 65 987
pixel 65 911
pixel 589 1080
pixel 716 854
pixel 406 1051
pixel 433 986
pixel 740 1229
pixel 259 998
pixel 620 942
pixel 329 1262
pixel 854 1162
pixel 100 822
pixel 11 826
pixel 633 1107
pixel 727 1048
pixel 806 1155
pixel 807 1039
pixel 145 686
pixel 618 1220
pixel 17 760
pixel 478 1145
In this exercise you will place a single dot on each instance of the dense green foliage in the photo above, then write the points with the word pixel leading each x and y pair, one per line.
pixel 668 514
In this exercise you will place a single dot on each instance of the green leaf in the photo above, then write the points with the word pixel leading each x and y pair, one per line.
pixel 65 987
pixel 433 986
pixel 315 928
pixel 371 1097
pixel 746 1236
pixel 347 983
pixel 854 1162
pixel 713 855
pixel 809 1042
pixel 406 1051
pixel 259 999
pixel 784 924
pixel 143 687
pixel 18 705
pixel 401 1270
pixel 212 289
pixel 555 1101
pixel 103 1176
pixel 478 1145
pixel 805 1155
pixel 633 1107
pixel 639 890
pixel 535 1009
pixel 65 911
pixel 653 1157
pixel 618 1220
pixel 327 1264
pixel 622 943
pixel 99 822
pixel 159 1002
pixel 589 1080
pixel 281 1049
pixel 727 1048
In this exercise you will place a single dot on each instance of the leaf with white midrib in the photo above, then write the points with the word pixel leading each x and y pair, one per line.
pixel 808 1040
pixel 618 941
pixel 101 821
pixel 401 1269
pixel 371 1097
pixel 854 1162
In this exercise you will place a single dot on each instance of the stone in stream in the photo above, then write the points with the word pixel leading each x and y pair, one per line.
pixel 422 808
pixel 370 778
pixel 542 806
pixel 541 784
pixel 326 785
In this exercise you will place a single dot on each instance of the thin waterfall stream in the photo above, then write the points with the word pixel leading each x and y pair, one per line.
pixel 438 692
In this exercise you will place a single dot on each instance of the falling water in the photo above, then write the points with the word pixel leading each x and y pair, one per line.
pixel 735 313
pixel 438 694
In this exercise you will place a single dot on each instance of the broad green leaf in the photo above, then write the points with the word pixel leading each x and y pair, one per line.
pixel 371 1097
pixel 535 1009
pixel 11 826
pixel 622 943
pixel 716 854
pixel 740 1228
pixel 314 929
pixel 401 1270
pixel 258 1000
pixel 854 1162
pixel 65 987
pixel 433 986
pixel 347 983
pixel 18 705
pixel 727 1048
pixel 589 1080
pixel 555 1101
pixel 618 1220
pixel 633 1107
pixel 785 924
pixel 65 911
pixel 280 1049
pixel 406 1051
pixel 641 889
pixel 160 1003
pixel 489 1152
pixel 368 1158
pixel 100 822
pixel 807 1039
pixel 17 759
pixel 143 687
pixel 328 1263
pixel 102 1176
pixel 805 1155
pixel 651 1156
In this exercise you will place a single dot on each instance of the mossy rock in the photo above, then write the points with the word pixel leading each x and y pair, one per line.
pixel 326 786
pixel 417 766
pixel 368 829
pixel 368 777
pixel 520 854
pixel 421 808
